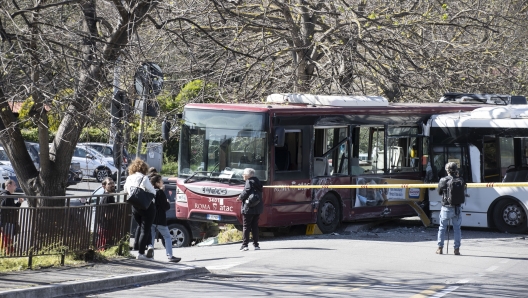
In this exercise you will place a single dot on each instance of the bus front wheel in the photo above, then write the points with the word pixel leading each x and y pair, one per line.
pixel 328 214
pixel 509 216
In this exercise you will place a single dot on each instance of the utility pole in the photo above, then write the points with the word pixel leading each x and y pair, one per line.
pixel 148 83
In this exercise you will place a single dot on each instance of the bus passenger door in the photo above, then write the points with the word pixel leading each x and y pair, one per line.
pixel 331 150
pixel 291 167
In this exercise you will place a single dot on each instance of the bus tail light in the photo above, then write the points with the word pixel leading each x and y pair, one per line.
pixel 180 196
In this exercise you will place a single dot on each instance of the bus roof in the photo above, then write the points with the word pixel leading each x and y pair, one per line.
pixel 511 116
pixel 296 109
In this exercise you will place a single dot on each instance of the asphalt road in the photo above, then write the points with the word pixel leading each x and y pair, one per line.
pixel 396 259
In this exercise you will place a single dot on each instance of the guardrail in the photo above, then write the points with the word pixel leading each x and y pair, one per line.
pixel 36 231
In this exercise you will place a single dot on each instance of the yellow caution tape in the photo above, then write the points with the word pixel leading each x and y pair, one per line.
pixel 423 185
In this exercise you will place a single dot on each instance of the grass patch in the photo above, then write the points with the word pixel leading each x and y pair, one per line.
pixel 19 264
pixel 229 234
pixel 169 168
pixel 71 259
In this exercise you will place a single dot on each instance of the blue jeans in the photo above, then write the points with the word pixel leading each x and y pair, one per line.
pixel 446 214
pixel 164 231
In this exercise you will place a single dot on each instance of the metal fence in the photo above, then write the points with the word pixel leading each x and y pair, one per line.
pixel 34 231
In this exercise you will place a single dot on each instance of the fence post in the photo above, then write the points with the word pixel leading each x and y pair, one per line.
pixel 30 259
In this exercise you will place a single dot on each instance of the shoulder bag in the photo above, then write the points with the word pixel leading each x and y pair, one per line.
pixel 139 198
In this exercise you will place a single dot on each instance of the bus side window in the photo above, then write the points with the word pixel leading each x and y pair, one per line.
pixel 289 157
pixel 282 158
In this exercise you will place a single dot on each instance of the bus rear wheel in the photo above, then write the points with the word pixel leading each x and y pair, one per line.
pixel 509 216
pixel 328 214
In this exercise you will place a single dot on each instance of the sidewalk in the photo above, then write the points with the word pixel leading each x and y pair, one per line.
pixel 64 281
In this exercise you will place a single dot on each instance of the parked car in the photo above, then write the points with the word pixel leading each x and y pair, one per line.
pixel 93 164
pixel 7 172
pixel 74 176
pixel 108 151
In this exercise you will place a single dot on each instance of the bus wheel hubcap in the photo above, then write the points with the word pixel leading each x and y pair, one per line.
pixel 512 215
pixel 328 213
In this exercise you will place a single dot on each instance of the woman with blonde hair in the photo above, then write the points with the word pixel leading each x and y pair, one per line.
pixel 137 171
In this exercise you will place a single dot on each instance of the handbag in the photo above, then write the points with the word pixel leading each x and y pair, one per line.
pixel 139 198
pixel 253 199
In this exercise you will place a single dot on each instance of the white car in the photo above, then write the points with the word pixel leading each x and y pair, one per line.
pixel 93 164
pixel 108 151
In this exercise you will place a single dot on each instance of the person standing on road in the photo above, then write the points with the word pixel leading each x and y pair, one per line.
pixel 144 218
pixel 160 222
pixel 9 217
pixel 449 212
pixel 250 214
pixel 106 221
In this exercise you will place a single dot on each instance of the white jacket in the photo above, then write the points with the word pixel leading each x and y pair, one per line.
pixel 135 179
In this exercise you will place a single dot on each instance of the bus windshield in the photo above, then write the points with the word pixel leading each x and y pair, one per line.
pixel 218 145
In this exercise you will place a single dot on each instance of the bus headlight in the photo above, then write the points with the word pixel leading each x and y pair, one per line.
pixel 180 196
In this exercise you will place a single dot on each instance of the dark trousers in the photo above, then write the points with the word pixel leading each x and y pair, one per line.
pixel 144 219
pixel 250 224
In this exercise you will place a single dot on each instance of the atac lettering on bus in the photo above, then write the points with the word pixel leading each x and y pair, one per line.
pixel 214 190
pixel 226 208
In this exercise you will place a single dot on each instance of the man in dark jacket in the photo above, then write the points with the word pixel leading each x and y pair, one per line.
pixel 449 212
pixel 9 217
pixel 251 210
pixel 106 219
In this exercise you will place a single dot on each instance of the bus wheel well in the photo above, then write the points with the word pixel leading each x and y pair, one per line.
pixel 508 214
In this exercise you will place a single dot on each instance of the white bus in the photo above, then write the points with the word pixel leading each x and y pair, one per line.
pixel 489 144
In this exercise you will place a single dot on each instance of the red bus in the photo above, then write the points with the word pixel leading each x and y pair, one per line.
pixel 295 139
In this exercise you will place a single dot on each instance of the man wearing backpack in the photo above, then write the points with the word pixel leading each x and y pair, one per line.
pixel 252 207
pixel 452 189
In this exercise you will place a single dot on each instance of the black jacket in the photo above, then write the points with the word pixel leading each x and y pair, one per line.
pixel 8 202
pixel 251 183
pixel 162 205
pixel 8 215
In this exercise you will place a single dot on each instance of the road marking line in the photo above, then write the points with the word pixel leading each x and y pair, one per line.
pixel 445 292
pixel 504 261
pixel 430 291
pixel 463 281
pixel 338 288
pixel 492 268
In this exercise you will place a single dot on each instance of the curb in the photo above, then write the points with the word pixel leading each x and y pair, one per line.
pixel 111 283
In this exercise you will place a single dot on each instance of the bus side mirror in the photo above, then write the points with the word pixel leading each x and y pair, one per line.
pixel 278 139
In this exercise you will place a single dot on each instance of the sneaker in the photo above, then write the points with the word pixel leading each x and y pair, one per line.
pixel 174 259
pixel 257 247
pixel 244 248
pixel 150 251
pixel 439 251
pixel 142 257
pixel 457 251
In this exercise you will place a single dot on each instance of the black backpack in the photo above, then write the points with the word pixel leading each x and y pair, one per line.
pixel 456 191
